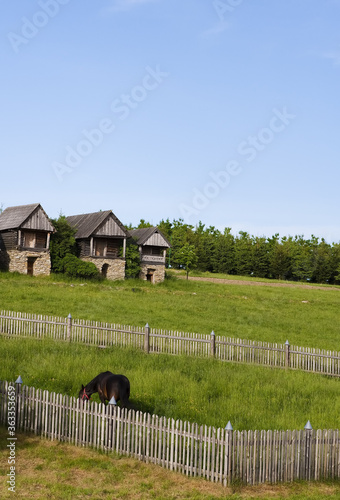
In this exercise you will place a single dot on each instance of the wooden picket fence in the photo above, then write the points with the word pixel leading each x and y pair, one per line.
pixel 154 340
pixel 219 455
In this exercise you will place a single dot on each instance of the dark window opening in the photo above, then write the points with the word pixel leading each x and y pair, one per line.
pixel 30 265
pixel 41 240
pixel 150 275
pixel 153 250
pixel 104 270
pixel 113 247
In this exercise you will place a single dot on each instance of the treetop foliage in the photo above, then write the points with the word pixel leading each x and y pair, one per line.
pixel 288 258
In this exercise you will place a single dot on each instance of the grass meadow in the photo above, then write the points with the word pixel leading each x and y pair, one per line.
pixel 306 317
pixel 205 391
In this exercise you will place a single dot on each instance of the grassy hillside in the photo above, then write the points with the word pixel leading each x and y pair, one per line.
pixel 306 317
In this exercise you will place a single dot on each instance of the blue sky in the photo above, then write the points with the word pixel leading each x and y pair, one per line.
pixel 223 111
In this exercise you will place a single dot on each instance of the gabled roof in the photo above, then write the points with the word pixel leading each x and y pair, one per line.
pixel 144 236
pixel 89 224
pixel 15 217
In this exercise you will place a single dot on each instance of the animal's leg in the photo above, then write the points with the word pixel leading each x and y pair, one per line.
pixel 101 396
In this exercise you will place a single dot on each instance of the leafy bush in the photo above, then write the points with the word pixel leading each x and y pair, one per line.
pixel 76 268
pixel 62 243
pixel 132 261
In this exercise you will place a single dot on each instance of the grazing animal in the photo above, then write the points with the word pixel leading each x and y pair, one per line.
pixel 107 385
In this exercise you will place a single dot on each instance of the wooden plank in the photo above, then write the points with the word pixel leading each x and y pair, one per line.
pixel 200 452
pixel 195 449
pixel 181 447
pixel 205 452
pixel 164 442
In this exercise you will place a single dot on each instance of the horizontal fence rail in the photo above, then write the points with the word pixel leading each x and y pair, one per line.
pixel 153 340
pixel 219 455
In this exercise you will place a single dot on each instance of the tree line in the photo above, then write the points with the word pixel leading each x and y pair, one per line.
pixel 209 249
pixel 286 258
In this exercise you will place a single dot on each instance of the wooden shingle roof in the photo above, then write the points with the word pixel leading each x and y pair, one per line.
pixel 149 236
pixel 18 217
pixel 90 224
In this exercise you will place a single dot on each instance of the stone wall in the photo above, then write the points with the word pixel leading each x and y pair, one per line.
pixel 158 271
pixel 16 260
pixel 115 270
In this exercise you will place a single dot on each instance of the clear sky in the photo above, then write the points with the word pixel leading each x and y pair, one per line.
pixel 223 111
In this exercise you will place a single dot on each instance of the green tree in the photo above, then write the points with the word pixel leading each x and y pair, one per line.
pixel 205 243
pixel 188 258
pixel 243 254
pixel 181 234
pixel 132 261
pixel 302 266
pixel 143 223
pixel 335 263
pixel 280 260
pixel 224 254
pixel 321 261
pixel 62 243
pixel 337 275
pixel 260 261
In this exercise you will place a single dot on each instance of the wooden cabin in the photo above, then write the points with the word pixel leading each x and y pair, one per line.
pixel 152 249
pixel 25 240
pixel 101 239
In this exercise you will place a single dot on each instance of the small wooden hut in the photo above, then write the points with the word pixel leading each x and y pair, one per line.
pixel 152 246
pixel 101 239
pixel 25 240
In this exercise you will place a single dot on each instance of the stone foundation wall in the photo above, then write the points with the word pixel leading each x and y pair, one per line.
pixel 157 269
pixel 116 269
pixel 16 260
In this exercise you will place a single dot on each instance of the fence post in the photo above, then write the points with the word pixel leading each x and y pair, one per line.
pixel 69 327
pixel 287 354
pixel 147 338
pixel 228 454
pixel 18 384
pixel 212 344
pixel 308 451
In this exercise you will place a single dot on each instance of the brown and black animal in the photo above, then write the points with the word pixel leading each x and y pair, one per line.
pixel 107 384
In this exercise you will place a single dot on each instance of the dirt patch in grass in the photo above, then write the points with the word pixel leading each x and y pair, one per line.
pixel 259 283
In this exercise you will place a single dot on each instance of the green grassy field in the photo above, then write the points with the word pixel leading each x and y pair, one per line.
pixel 306 317
pixel 205 391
